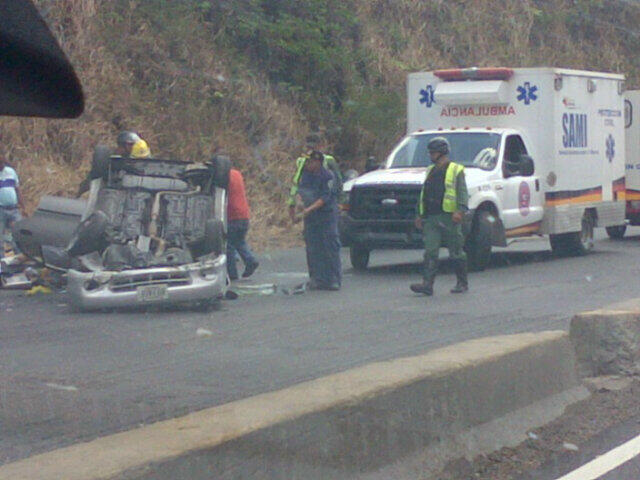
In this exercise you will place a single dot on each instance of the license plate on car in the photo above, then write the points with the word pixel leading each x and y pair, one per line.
pixel 152 293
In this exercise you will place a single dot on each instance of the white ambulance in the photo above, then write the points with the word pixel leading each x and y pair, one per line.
pixel 632 145
pixel 543 150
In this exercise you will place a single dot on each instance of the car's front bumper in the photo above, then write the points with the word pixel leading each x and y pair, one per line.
pixel 201 281
pixel 385 234
pixel 379 234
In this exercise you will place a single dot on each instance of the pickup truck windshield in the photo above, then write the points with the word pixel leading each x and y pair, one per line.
pixel 471 149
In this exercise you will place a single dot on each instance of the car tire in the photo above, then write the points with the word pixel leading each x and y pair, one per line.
pixel 616 232
pixel 222 165
pixel 359 256
pixel 89 235
pixel 100 162
pixel 213 241
pixel 478 244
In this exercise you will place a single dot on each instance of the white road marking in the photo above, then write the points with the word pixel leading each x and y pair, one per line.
pixel 606 462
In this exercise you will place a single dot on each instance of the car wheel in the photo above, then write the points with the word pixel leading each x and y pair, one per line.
pixel 616 232
pixel 89 235
pixel 359 256
pixel 478 245
pixel 222 167
pixel 100 162
pixel 213 240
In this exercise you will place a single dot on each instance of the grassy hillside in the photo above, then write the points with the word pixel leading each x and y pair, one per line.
pixel 253 77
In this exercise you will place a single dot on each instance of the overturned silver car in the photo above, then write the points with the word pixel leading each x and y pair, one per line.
pixel 152 232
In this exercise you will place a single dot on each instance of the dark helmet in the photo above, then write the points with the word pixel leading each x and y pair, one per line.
pixel 440 145
pixel 125 138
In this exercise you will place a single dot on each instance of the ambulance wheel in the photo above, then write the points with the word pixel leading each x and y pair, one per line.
pixel 616 232
pixel 575 244
pixel 478 246
pixel 359 256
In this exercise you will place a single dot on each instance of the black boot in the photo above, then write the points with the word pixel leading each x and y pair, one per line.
pixel 462 284
pixel 428 276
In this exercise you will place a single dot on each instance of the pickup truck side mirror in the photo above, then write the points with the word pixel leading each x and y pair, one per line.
pixel 527 167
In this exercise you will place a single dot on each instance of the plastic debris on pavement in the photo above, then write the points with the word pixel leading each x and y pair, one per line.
pixel 203 332
pixel 570 446
pixel 39 289
pixel 231 295
pixel 18 281
pixel 20 273
pixel 262 289
pixel 296 290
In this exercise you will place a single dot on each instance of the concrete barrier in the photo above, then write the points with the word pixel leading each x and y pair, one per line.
pixel 607 342
pixel 362 423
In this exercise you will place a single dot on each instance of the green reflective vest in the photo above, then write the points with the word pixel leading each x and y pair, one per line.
pixel 329 163
pixel 450 198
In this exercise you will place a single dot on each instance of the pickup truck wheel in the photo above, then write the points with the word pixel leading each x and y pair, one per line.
pixel 89 235
pixel 222 168
pixel 359 257
pixel 478 246
pixel 574 244
pixel 214 236
pixel 616 232
pixel 100 162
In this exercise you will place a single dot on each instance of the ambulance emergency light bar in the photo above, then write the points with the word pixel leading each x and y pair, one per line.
pixel 457 74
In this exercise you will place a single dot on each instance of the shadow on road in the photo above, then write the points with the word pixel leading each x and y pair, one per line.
pixel 626 239
pixel 498 260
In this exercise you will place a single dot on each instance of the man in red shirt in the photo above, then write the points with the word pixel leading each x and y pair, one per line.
pixel 238 226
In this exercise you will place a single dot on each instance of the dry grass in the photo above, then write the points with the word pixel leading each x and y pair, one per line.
pixel 189 100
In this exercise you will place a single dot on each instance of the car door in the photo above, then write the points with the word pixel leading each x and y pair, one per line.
pixel 521 195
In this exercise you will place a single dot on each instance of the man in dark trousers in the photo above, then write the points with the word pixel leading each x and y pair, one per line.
pixel 320 216
pixel 237 227
pixel 443 202
pixel 314 143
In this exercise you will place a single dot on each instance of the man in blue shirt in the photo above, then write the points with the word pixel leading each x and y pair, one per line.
pixel 320 216
pixel 10 203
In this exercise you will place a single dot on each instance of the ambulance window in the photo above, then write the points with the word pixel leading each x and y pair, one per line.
pixel 513 149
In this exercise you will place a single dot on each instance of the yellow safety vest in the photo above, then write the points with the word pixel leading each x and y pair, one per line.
pixel 300 161
pixel 450 198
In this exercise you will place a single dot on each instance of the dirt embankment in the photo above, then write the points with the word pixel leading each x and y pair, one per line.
pixel 180 75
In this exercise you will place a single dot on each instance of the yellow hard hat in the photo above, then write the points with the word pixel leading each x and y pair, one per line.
pixel 140 150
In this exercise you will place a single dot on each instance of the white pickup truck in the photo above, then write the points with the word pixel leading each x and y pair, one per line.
pixel 544 154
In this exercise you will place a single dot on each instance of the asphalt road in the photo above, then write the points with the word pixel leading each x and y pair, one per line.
pixel 602 443
pixel 66 377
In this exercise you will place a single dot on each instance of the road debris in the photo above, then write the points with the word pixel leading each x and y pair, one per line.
pixel 65 388
pixel 39 289
pixel 296 290
pixel 570 446
pixel 203 332
pixel 261 289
